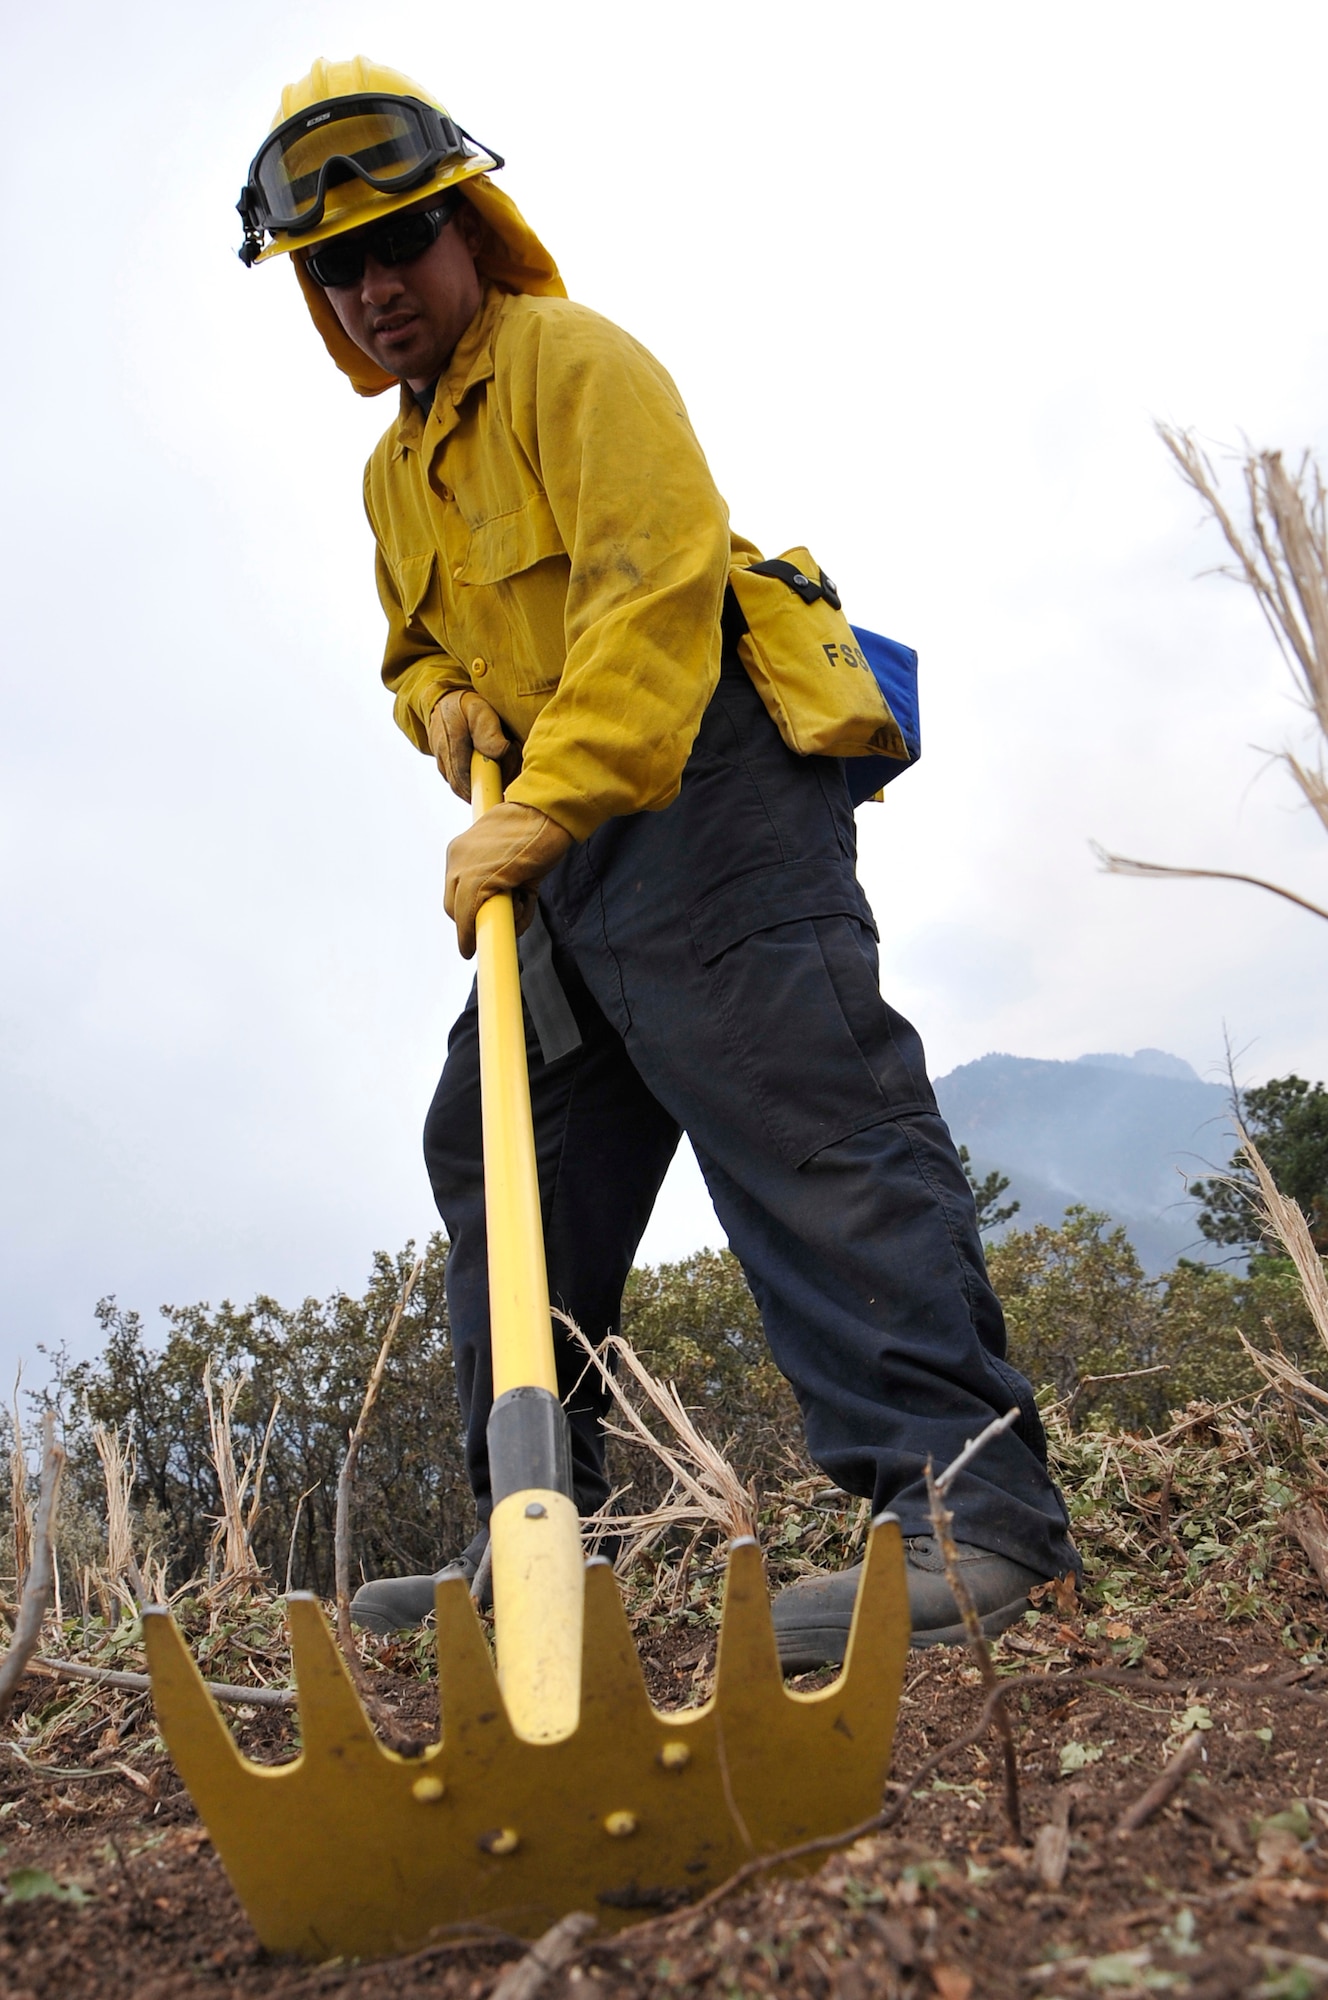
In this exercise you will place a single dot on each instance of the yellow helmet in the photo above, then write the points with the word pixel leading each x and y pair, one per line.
pixel 353 141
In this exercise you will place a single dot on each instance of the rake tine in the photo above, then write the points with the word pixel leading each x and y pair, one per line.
pixel 748 1662
pixel 332 1717
pixel 468 1691
pixel 612 1682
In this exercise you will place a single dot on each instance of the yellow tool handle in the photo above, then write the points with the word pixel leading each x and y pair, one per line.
pixel 535 1533
pixel 521 1330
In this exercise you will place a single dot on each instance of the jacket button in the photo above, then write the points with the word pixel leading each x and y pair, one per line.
pixel 478 669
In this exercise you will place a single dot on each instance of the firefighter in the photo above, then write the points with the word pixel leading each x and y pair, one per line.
pixel 562 591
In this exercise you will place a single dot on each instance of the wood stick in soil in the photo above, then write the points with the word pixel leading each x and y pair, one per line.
pixel 942 1522
pixel 548 1955
pixel 40 1579
pixel 346 1479
pixel 1309 1525
pixel 1173 1776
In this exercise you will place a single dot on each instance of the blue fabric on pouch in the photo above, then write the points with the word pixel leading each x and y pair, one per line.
pixel 896 671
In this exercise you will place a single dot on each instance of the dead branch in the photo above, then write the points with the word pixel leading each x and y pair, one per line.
pixel 38 1583
pixel 942 1521
pixel 295 1529
pixel 75 1670
pixel 18 1496
pixel 1123 1375
pixel 548 1955
pixel 346 1477
pixel 1162 1788
pixel 1155 871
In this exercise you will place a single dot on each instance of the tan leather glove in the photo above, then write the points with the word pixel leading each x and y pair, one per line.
pixel 460 722
pixel 512 848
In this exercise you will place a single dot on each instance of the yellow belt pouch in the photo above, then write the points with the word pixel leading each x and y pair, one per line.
pixel 809 670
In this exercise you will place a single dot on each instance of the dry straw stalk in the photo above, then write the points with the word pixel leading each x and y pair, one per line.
pixel 1281 554
pixel 705 1491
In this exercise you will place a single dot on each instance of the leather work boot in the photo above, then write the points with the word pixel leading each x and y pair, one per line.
pixel 812 1617
pixel 397 1603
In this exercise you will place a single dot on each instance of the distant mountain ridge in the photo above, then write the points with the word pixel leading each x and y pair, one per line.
pixel 1124 1134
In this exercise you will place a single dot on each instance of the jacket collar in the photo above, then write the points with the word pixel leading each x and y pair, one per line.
pixel 471 364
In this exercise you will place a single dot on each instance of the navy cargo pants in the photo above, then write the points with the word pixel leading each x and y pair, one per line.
pixel 720 958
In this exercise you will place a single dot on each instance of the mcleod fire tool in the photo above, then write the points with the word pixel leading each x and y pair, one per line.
pixel 556 1784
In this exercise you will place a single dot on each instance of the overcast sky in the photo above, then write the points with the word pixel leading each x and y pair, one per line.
pixel 925 276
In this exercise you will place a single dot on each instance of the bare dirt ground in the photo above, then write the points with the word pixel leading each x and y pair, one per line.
pixel 114 1890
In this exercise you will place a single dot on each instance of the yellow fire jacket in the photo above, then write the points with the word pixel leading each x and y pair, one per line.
pixel 550 535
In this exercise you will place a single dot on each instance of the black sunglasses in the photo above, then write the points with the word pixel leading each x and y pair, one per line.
pixel 399 240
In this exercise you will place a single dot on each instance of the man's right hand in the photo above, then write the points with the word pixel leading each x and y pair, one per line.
pixel 459 723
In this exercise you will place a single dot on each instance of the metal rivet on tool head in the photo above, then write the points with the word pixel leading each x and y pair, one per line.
pixel 501 1840
pixel 620 1824
pixel 428 1790
pixel 675 1755
pixel 536 1510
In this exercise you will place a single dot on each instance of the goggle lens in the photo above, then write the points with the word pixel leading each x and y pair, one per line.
pixel 399 240
pixel 384 143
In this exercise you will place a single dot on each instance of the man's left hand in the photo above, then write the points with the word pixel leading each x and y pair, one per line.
pixel 509 850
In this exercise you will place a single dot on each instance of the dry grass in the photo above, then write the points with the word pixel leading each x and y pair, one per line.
pixel 705 1493
pixel 1283 1220
pixel 1281 554
pixel 237 1484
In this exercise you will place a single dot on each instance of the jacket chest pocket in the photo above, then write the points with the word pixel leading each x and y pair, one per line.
pixel 414 578
pixel 419 595
pixel 511 595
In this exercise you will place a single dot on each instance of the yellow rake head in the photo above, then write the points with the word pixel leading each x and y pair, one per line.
pixel 353 1850
pixel 556 1786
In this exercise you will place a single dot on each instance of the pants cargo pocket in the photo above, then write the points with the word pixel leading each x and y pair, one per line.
pixel 790 959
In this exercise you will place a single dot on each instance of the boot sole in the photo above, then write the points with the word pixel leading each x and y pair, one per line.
pixel 825 1645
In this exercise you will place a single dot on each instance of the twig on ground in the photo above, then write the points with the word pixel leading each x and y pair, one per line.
pixel 942 1521
pixel 546 1956
pixel 1173 1776
pixel 38 1582
pixel 346 1477
pixel 76 1670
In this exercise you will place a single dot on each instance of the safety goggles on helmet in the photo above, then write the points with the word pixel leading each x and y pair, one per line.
pixel 392 144
pixel 398 240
